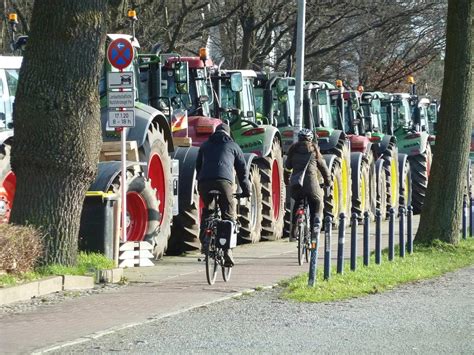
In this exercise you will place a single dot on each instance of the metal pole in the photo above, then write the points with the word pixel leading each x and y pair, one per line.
pixel 300 37
pixel 124 184
pixel 327 246
pixel 340 244
pixel 471 217
pixel 464 217
pixel 391 233
pixel 378 237
pixel 366 238
pixel 354 241
pixel 401 231
pixel 410 230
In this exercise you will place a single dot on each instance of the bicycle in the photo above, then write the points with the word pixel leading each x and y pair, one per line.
pixel 302 233
pixel 214 248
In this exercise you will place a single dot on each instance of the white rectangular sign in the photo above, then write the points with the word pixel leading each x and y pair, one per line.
pixel 124 118
pixel 120 80
pixel 121 99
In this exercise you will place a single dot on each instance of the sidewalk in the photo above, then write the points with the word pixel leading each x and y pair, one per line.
pixel 174 285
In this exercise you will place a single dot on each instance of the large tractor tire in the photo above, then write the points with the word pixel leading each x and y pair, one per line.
pixel 154 153
pixel 390 159
pixel 405 197
pixel 342 151
pixel 360 171
pixel 470 179
pixel 250 216
pixel 420 171
pixel 381 176
pixel 273 193
pixel 143 216
pixel 333 202
pixel 185 229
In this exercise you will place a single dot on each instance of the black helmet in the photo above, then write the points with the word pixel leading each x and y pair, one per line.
pixel 305 135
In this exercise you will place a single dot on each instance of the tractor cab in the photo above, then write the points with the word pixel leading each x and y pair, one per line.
pixel 346 111
pixel 185 84
pixel 275 99
pixel 317 112
pixel 374 114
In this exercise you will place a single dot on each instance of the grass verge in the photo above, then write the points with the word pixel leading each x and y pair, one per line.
pixel 87 264
pixel 424 263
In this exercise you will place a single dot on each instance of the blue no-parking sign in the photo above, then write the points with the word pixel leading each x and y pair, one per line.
pixel 120 53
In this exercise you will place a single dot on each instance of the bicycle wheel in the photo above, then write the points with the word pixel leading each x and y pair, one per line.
pixel 211 265
pixel 306 247
pixel 301 243
pixel 313 267
pixel 226 272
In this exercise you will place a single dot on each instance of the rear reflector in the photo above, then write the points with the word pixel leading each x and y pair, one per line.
pixel 254 131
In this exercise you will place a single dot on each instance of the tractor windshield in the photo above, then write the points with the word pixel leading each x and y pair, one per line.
pixel 229 100
pixel 189 101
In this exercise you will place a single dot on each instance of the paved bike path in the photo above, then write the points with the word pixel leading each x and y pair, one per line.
pixel 174 285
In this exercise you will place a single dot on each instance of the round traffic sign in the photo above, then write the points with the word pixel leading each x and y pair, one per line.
pixel 120 53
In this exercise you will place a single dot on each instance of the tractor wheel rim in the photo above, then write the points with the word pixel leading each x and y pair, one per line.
pixel 406 193
pixel 137 214
pixel 428 161
pixel 276 189
pixel 7 194
pixel 157 176
pixel 335 194
pixel 393 184
pixel 345 182
pixel 253 207
pixel 363 191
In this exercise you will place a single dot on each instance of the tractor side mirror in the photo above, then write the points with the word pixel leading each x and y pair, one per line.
pixel 236 84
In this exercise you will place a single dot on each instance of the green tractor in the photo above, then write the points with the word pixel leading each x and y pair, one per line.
pixel 410 118
pixel 385 145
pixel 277 95
pixel 152 133
pixel 368 178
pixel 257 135
pixel 333 143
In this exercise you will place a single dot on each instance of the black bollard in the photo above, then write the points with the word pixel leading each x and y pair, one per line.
pixel 410 230
pixel 378 237
pixel 354 222
pixel 391 233
pixel 471 217
pixel 340 243
pixel 327 246
pixel 464 217
pixel 366 238
pixel 401 231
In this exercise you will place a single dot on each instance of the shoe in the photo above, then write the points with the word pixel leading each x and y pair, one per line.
pixel 293 239
pixel 228 260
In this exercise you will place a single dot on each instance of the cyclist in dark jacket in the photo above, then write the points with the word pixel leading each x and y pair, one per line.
pixel 298 155
pixel 215 164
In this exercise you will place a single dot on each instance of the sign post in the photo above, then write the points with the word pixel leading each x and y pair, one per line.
pixel 121 103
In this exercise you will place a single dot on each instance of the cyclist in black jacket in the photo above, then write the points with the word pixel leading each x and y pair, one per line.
pixel 215 164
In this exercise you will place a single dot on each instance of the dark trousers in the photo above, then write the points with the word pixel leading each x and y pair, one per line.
pixel 315 207
pixel 226 200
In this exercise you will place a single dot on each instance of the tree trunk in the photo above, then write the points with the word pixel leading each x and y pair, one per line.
pixel 57 121
pixel 442 210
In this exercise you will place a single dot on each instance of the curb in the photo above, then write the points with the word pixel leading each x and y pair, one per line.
pixel 53 284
